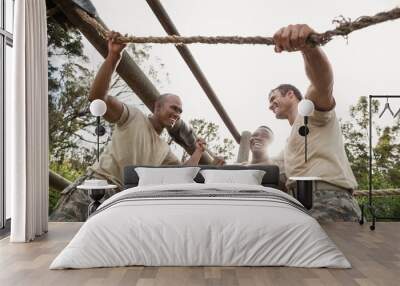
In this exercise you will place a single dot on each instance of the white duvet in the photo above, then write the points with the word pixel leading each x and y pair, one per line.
pixel 190 231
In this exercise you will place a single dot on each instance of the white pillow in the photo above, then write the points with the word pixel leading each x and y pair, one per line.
pixel 249 177
pixel 163 176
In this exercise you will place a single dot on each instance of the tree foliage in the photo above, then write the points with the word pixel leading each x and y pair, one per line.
pixel 69 82
pixel 385 150
pixel 385 159
pixel 209 131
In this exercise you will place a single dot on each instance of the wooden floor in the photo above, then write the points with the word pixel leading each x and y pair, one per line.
pixel 375 256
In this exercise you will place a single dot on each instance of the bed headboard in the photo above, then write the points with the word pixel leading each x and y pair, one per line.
pixel 270 179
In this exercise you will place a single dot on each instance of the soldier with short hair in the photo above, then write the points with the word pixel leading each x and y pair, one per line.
pixel 333 200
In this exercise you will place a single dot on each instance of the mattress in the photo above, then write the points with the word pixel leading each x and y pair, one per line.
pixel 201 225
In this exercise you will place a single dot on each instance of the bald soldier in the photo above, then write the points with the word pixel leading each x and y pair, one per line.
pixel 135 140
pixel 327 159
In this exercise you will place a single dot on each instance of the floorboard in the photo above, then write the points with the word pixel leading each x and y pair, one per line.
pixel 374 255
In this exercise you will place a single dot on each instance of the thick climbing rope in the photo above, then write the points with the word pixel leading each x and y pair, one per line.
pixel 344 28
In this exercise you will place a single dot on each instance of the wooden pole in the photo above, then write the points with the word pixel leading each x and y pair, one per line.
pixel 129 71
pixel 187 56
pixel 244 148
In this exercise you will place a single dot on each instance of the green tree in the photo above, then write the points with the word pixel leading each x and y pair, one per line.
pixel 209 131
pixel 386 155
pixel 69 82
pixel 386 152
pixel 356 136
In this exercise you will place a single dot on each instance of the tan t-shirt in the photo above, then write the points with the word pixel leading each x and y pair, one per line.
pixel 134 142
pixel 326 155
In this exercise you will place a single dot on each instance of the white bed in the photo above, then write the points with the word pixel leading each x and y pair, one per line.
pixel 225 225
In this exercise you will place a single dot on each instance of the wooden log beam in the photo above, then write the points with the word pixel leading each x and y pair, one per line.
pixel 58 182
pixel 129 71
pixel 187 56
pixel 244 147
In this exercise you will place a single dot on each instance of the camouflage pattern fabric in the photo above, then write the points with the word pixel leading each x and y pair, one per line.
pixel 332 203
pixel 73 205
pixel 339 205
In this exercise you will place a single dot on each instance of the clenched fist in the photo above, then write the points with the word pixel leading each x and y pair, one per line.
pixel 114 49
pixel 292 38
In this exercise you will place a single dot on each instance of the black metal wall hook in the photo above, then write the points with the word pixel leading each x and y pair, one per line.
pixel 387 107
pixel 397 113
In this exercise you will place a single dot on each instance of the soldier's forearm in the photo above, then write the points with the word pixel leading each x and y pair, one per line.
pixel 194 159
pixel 318 69
pixel 102 80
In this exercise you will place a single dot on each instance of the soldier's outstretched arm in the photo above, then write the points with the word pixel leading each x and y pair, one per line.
pixel 101 83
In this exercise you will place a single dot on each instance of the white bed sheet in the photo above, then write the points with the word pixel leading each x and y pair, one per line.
pixel 200 232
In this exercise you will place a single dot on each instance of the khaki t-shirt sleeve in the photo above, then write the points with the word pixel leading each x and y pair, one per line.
pixel 321 118
pixel 128 114
pixel 171 159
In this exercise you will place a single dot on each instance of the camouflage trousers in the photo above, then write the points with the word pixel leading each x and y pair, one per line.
pixel 73 204
pixel 332 203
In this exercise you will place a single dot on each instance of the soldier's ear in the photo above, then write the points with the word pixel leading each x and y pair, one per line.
pixel 291 94
pixel 157 106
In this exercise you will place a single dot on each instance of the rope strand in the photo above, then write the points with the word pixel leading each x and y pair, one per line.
pixel 344 28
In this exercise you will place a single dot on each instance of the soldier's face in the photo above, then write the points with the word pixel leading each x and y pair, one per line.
pixel 280 104
pixel 169 111
pixel 259 140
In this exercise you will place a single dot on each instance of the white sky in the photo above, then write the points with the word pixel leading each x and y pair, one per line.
pixel 243 75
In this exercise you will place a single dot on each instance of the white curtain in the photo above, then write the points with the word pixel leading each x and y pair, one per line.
pixel 27 173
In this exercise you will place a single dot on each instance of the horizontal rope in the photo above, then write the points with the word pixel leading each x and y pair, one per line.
pixel 378 193
pixel 344 28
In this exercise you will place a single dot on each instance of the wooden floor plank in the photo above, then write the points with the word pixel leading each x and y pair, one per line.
pixel 374 255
